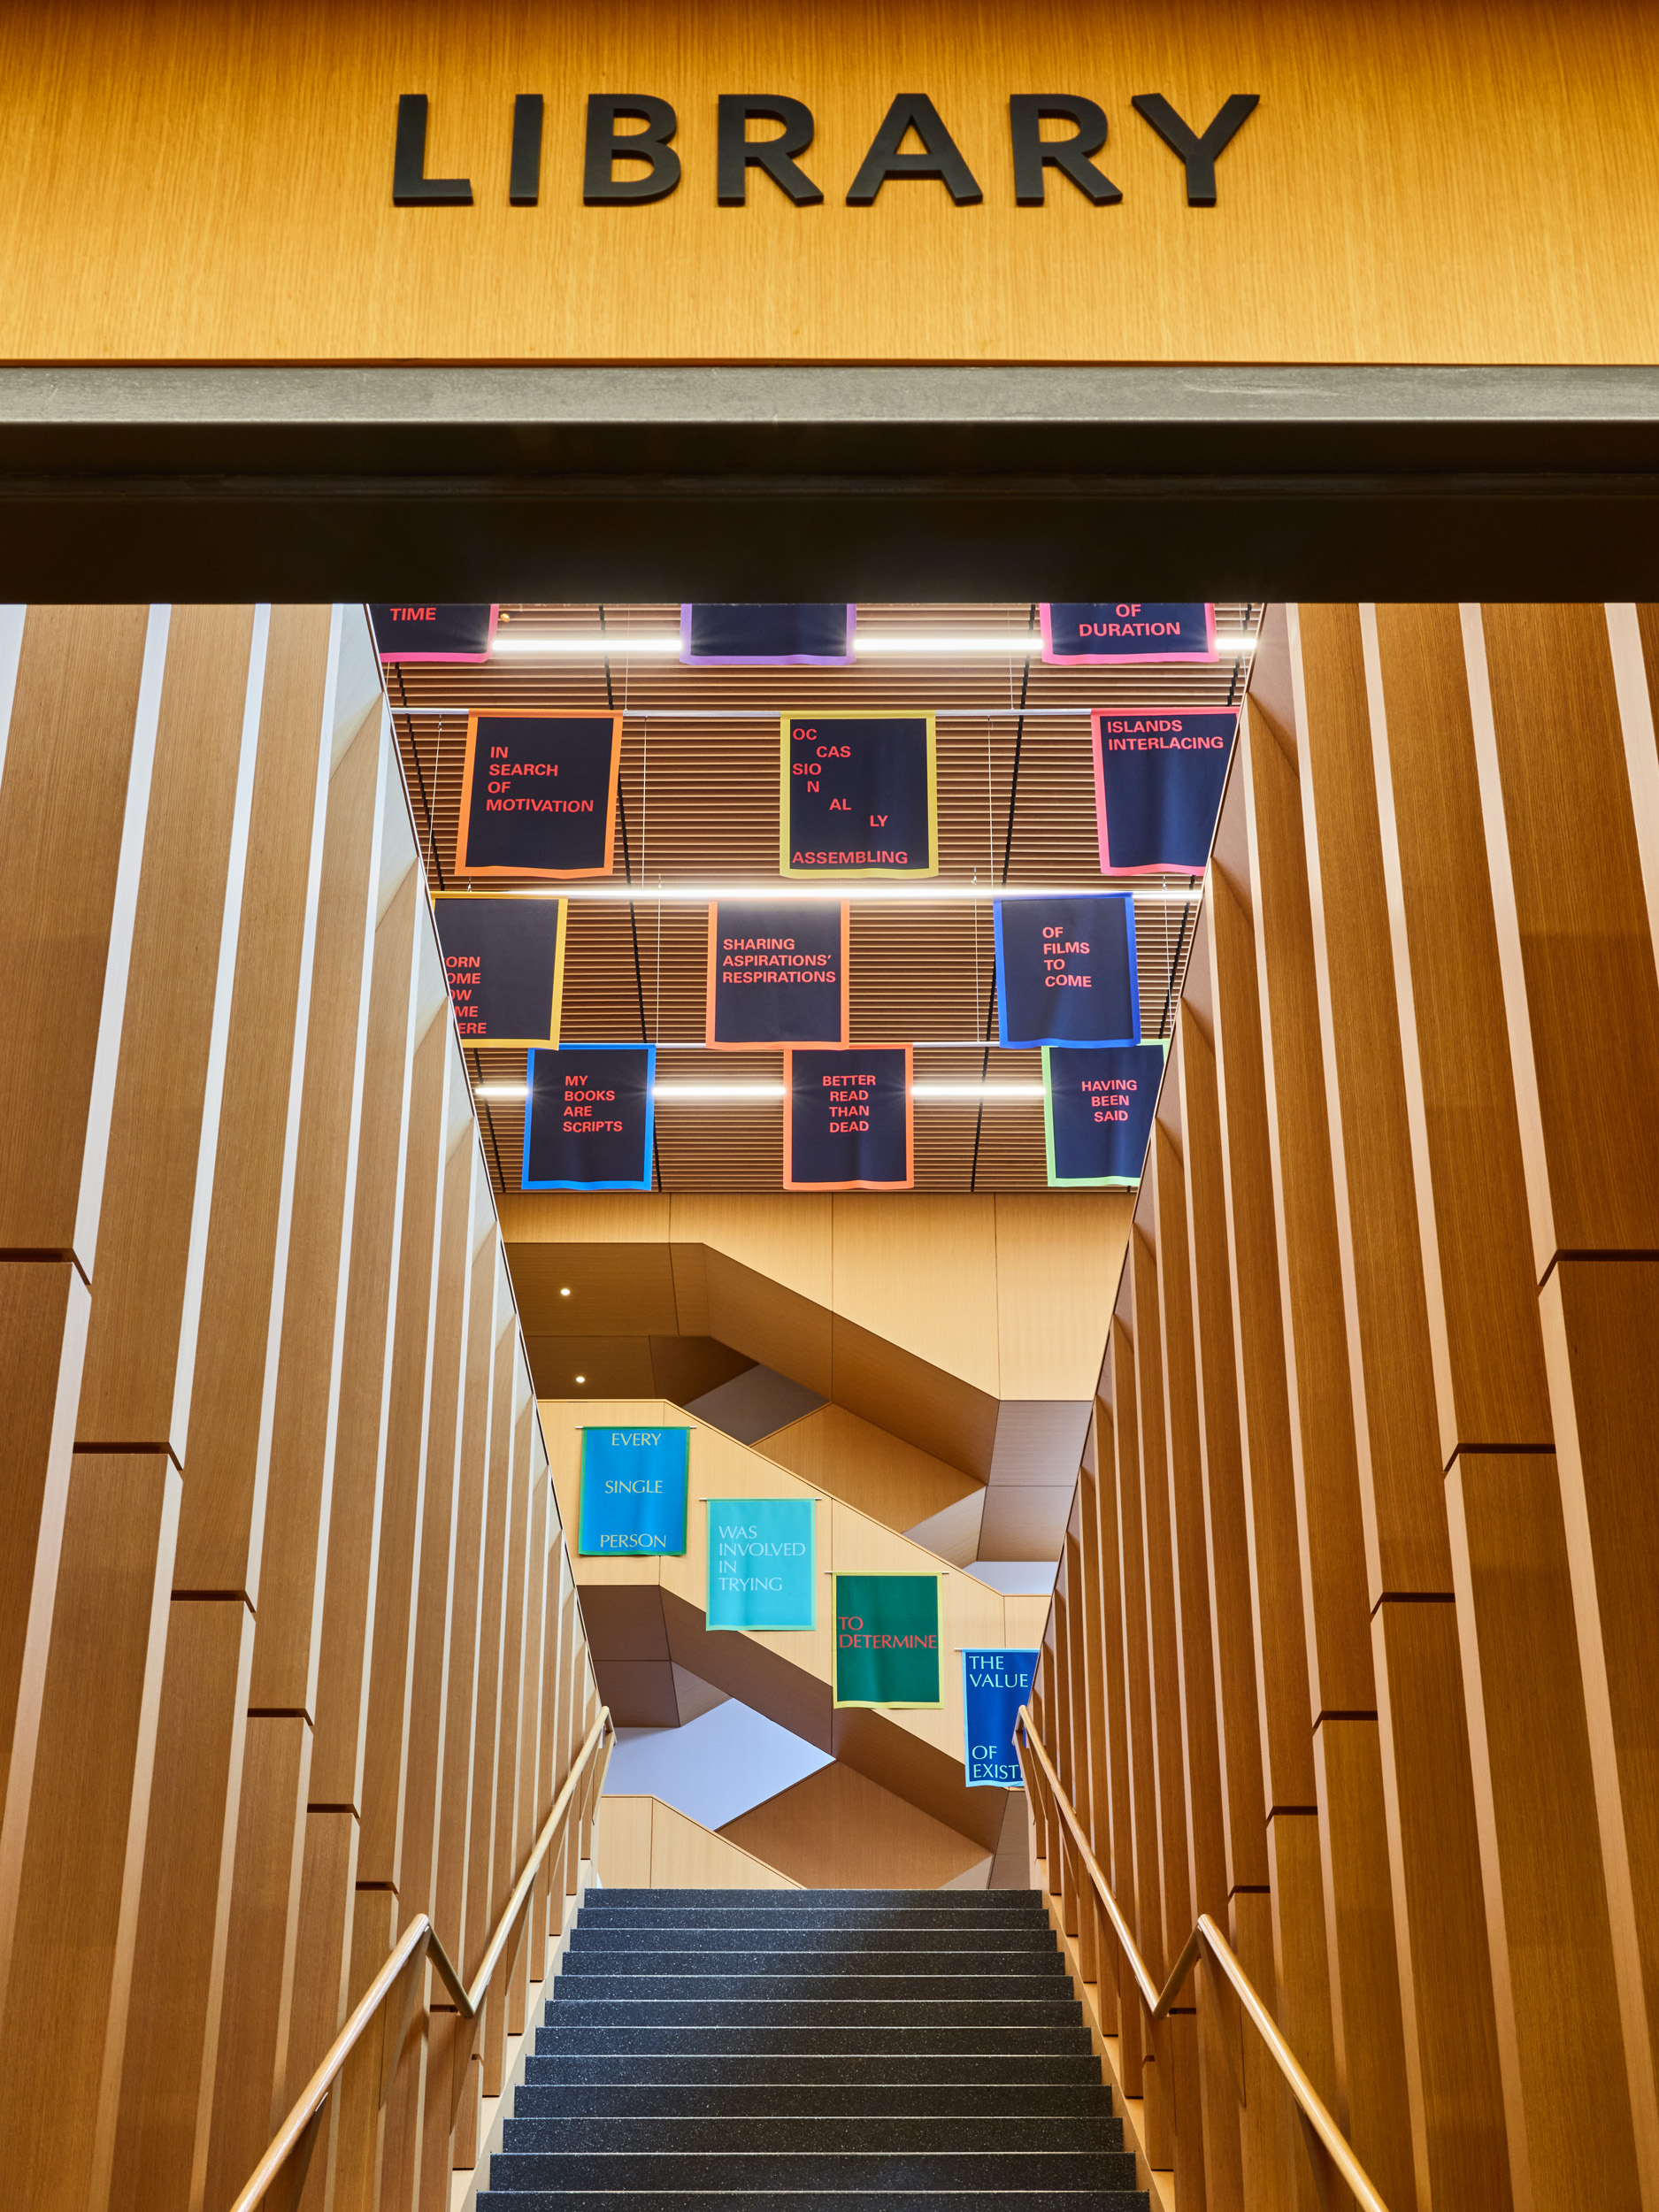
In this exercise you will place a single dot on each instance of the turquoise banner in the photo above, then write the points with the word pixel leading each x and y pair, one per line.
pixel 762 1564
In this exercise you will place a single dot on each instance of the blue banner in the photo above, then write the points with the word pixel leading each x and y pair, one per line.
pixel 995 1686
pixel 858 796
pixel 433 634
pixel 1097 1106
pixel 1065 970
pixel 589 1118
pixel 1114 636
pixel 538 795
pixel 777 973
pixel 633 1492
pixel 846 1118
pixel 762 1564
pixel 738 635
pixel 1159 772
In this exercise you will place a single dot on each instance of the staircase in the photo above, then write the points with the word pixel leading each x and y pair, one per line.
pixel 863 2048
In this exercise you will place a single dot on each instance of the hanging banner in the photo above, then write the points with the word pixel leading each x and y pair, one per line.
pixel 1076 635
pixel 762 1564
pixel 539 794
pixel 777 974
pixel 739 635
pixel 1065 970
pixel 1158 778
pixel 1097 1106
pixel 886 1639
pixel 589 1118
pixel 995 1686
pixel 859 796
pixel 456 634
pixel 504 960
pixel 633 1492
pixel 846 1118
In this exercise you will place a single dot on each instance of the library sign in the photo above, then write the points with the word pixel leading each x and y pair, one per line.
pixel 629 156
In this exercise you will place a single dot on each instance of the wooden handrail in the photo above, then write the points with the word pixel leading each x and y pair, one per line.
pixel 419 1942
pixel 1207 1937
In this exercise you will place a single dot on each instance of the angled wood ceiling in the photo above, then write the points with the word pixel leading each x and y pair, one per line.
pixel 699 803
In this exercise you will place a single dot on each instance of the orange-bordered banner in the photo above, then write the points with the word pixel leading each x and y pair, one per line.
pixel 777 973
pixel 539 794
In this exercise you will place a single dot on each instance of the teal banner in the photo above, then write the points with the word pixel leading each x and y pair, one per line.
pixel 886 1639
pixel 762 1564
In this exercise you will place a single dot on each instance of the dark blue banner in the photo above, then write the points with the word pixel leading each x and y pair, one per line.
pixel 1082 635
pixel 538 795
pixel 1159 779
pixel 995 1686
pixel 859 796
pixel 433 634
pixel 846 1118
pixel 588 1121
pixel 1097 1106
pixel 1065 970
pixel 504 960
pixel 736 634
pixel 777 973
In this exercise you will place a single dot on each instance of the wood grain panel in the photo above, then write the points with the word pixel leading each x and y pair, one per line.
pixel 356 1494
pixel 768 1320
pixel 1299 1146
pixel 1389 1361
pixel 1366 180
pixel 245 1272
pixel 1057 1262
pixel 1574 925
pixel 1117 1854
pixel 926 1406
pixel 838 1830
pixel 1457 2120
pixel 686 1855
pixel 290 1589
pixel 832 1449
pixel 430 1658
pixel 256 2013
pixel 1554 1975
pixel 74 797
pixel 1145 1910
pixel 1600 1329
pixel 322 1960
pixel 164 1114
pixel 1459 1083
pixel 619 1288
pixel 172 2028
pixel 1239 1727
pixel 82 1854
pixel 391 1671
pixel 878 1250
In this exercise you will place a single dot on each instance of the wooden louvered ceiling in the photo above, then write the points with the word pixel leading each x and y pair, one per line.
pixel 699 804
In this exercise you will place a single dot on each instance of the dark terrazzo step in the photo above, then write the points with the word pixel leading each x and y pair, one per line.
pixel 989 1901
pixel 821 2135
pixel 795 2171
pixel 1009 1995
pixel 877 2099
pixel 539 2200
pixel 1069 2064
pixel 866 1955
pixel 858 2035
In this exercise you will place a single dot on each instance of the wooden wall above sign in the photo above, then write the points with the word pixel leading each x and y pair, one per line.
pixel 1418 184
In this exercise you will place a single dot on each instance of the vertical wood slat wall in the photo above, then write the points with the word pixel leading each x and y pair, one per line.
pixel 289 1646
pixel 1356 1638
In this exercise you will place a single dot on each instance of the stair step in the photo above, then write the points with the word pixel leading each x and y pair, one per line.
pixel 817 2135
pixel 877 2099
pixel 988 1901
pixel 1009 1994
pixel 859 2035
pixel 857 1919
pixel 645 2065
pixel 813 2012
pixel 621 1939
pixel 544 2200
pixel 586 1961
pixel 794 2171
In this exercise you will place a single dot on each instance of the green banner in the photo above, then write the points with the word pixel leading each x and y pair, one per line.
pixel 886 1639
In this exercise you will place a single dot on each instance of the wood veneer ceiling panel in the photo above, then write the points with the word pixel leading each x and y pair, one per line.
pixel 699 791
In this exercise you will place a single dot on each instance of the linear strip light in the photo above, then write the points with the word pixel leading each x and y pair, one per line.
pixel 988 1092
pixel 865 894
pixel 664 644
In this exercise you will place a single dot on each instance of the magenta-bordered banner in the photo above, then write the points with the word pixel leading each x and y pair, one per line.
pixel 1118 634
